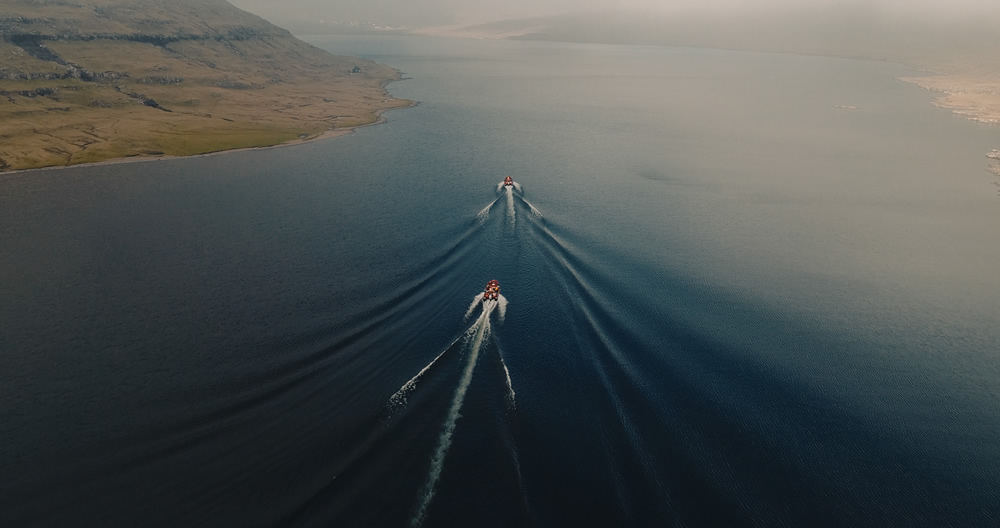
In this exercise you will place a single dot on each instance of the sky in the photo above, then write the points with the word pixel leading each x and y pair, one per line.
pixel 443 12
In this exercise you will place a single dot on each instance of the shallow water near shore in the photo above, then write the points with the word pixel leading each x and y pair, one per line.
pixel 743 303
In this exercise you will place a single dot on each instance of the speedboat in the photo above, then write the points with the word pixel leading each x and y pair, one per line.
pixel 492 291
pixel 508 182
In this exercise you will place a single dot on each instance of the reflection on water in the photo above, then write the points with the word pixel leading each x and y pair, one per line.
pixel 742 305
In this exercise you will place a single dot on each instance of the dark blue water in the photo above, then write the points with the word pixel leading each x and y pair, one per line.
pixel 741 306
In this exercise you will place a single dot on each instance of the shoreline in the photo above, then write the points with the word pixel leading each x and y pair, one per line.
pixel 973 98
pixel 134 98
pixel 139 158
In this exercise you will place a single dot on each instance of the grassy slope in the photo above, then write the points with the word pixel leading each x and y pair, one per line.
pixel 231 80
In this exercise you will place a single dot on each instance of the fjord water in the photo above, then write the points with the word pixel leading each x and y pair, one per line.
pixel 742 305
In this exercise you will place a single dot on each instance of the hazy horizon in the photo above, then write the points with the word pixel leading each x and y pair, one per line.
pixel 423 13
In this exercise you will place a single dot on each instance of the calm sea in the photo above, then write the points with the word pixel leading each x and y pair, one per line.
pixel 741 289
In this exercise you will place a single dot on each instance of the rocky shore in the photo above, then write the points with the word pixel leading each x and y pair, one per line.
pixel 974 97
pixel 995 156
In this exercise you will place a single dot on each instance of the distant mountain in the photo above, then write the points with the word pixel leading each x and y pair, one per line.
pixel 88 80
pixel 844 30
pixel 960 46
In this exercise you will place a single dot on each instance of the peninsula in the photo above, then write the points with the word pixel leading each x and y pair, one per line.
pixel 94 80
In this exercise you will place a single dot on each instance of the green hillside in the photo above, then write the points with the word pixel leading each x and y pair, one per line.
pixel 91 80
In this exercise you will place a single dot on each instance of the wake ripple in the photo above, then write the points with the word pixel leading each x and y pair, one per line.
pixel 484 215
pixel 511 401
pixel 534 212
pixel 510 207
pixel 476 301
pixel 478 332
pixel 502 307
pixel 398 400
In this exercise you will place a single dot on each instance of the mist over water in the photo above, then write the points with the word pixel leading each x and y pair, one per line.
pixel 743 305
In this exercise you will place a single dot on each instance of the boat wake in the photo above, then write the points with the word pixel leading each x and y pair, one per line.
pixel 472 341
pixel 484 215
pixel 513 192
pixel 511 215
pixel 534 212
pixel 475 336
pixel 399 399
pixel 511 401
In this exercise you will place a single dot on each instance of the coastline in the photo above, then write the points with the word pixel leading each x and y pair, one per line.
pixel 973 97
pixel 144 158
pixel 333 131
pixel 88 86
pixel 976 98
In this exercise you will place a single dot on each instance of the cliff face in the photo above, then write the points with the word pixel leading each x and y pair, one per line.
pixel 87 80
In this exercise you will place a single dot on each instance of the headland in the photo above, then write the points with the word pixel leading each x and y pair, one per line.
pixel 99 80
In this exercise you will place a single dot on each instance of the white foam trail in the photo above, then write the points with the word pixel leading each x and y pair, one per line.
pixel 488 307
pixel 499 186
pixel 510 206
pixel 517 186
pixel 475 302
pixel 510 386
pixel 482 331
pixel 398 399
pixel 485 213
pixel 534 212
pixel 502 305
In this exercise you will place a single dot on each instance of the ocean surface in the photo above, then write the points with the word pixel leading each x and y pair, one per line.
pixel 729 300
